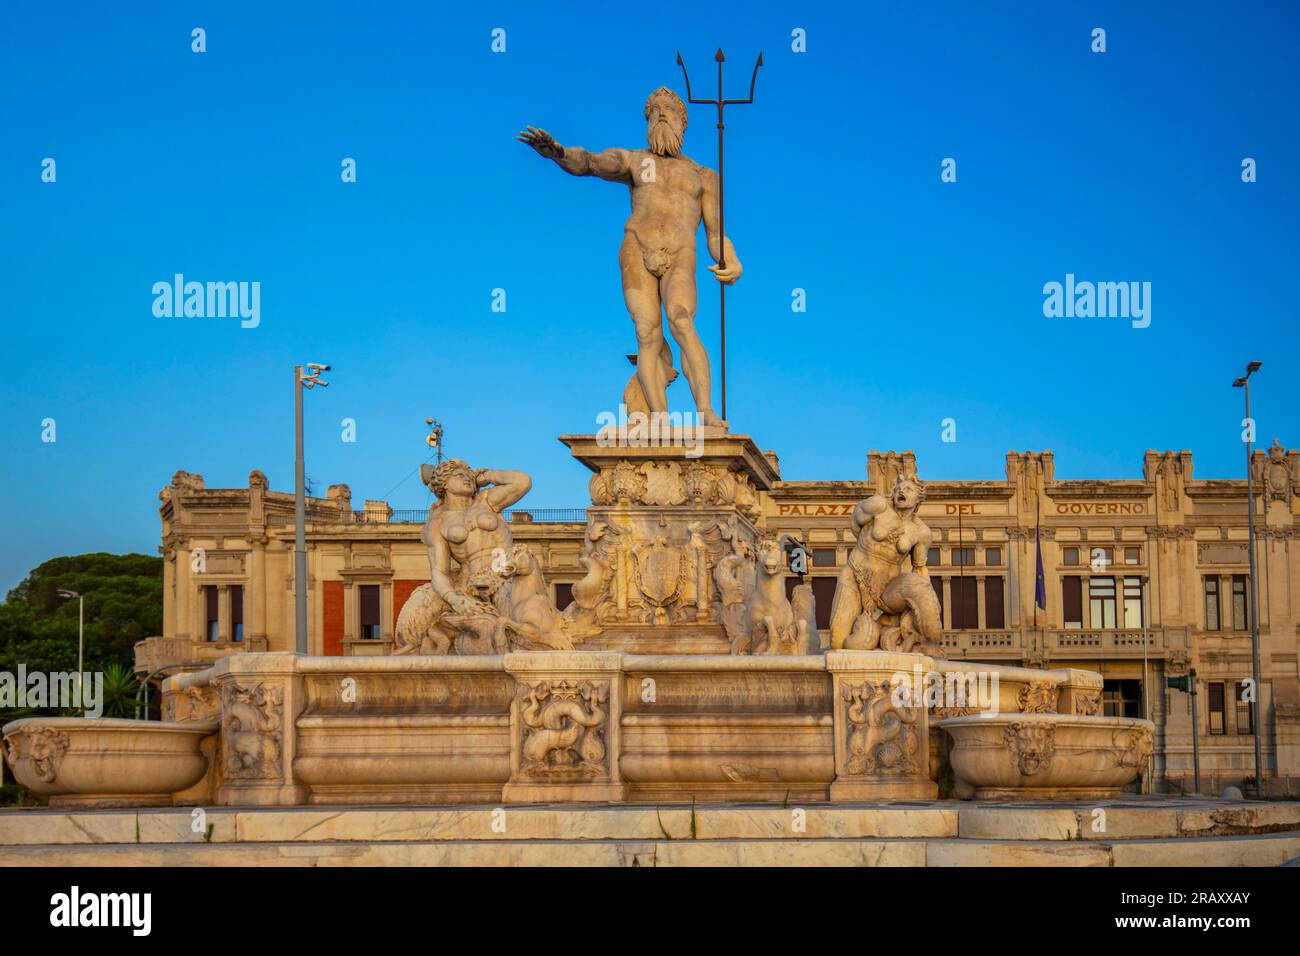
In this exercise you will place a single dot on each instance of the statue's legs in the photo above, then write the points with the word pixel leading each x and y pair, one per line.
pixel 678 289
pixel 845 607
pixel 641 294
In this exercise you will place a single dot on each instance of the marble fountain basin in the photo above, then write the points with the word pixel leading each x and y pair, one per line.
pixel 1013 756
pixel 105 761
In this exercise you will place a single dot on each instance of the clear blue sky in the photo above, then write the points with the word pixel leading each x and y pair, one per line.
pixel 225 166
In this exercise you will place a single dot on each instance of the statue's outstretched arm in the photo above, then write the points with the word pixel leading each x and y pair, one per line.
pixel 613 165
pixel 712 232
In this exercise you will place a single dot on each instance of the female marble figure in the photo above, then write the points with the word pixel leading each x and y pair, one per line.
pixel 469 545
pixel 883 598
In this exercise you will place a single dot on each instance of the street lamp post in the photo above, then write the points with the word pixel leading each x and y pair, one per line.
pixel 1244 383
pixel 301 381
pixel 81 633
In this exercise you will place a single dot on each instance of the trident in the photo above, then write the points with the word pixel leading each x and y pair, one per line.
pixel 722 254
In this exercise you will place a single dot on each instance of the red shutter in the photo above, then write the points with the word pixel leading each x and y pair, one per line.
pixel 332 612
pixel 994 616
pixel 1072 599
pixel 965 602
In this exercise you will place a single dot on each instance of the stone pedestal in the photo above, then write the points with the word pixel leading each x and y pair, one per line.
pixel 260 700
pixel 565 728
pixel 882 750
pixel 666 508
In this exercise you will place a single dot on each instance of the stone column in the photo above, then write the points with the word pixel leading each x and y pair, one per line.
pixel 169 628
pixel 882 749
pixel 386 613
pixel 564 728
pixel 224 614
pixel 1013 582
pixel 199 608
pixel 350 611
pixel 1177 749
pixel 255 593
pixel 184 612
pixel 261 697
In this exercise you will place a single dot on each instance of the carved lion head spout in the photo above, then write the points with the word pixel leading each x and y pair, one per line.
pixel 665 115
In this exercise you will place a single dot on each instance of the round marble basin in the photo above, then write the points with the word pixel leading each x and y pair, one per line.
pixel 1047 756
pixel 105 761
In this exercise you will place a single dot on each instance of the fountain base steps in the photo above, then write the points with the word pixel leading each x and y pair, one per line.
pixel 1142 831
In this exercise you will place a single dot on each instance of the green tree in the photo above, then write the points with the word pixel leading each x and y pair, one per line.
pixel 123 597
pixel 120 687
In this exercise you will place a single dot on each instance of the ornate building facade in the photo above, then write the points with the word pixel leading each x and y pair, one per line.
pixel 1142 580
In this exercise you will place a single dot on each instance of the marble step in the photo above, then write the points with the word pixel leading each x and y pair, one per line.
pixel 1141 818
pixel 1259 850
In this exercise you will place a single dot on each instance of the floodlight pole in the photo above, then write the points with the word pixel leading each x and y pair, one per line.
pixel 301 381
pixel 81 636
pixel 1244 383
pixel 722 231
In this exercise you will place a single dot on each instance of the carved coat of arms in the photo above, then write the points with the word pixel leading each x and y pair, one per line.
pixel 659 569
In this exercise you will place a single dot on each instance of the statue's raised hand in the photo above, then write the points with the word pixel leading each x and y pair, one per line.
pixel 541 141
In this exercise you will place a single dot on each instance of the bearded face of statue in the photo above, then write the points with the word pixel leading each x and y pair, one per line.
pixel 664 127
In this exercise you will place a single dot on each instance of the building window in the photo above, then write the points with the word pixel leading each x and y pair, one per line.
pixel 932 557
pixel 1121 698
pixel 1239 616
pixel 1245 712
pixel 823 595
pixel 1211 603
pixel 1214 702
pixel 212 625
pixel 823 557
pixel 1101 602
pixel 963 557
pixel 937 584
pixel 1101 558
pixel 1132 555
pixel 1072 601
pixel 237 612
pixel 1133 603
pixel 563 594
pixel 994 615
pixel 993 556
pixel 965 606
pixel 1070 556
pixel 370 623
